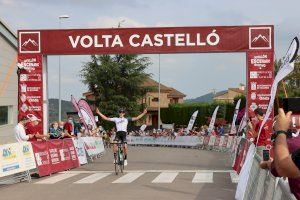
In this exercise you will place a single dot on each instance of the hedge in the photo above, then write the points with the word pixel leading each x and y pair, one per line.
pixel 180 113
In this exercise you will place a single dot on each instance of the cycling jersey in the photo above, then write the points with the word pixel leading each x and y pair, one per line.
pixel 121 123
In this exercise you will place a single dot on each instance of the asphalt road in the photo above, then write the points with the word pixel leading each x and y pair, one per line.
pixel 153 173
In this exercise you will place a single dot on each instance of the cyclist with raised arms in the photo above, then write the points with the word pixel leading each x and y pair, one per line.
pixel 121 126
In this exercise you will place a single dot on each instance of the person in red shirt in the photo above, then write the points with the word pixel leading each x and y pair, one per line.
pixel 32 129
pixel 68 127
pixel 264 138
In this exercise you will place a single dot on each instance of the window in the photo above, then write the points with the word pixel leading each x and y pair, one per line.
pixel 155 99
pixel 5 115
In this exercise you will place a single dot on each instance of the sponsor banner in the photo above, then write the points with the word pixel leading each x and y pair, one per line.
pixel 236 112
pixel 42 157
pixel 260 78
pixel 217 142
pixel 147 40
pixel 30 96
pixel 192 121
pixel 93 145
pixel 86 113
pixel 212 140
pixel 70 148
pixel 285 69
pixel 15 158
pixel 213 120
pixel 178 141
pixel 56 160
pixel 245 172
pixel 79 146
pixel 201 140
pixel 55 156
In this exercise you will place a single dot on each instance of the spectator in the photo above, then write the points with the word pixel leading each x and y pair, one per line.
pixel 55 131
pixel 284 164
pixel 221 130
pixel 68 126
pixel 19 130
pixel 263 138
pixel 32 129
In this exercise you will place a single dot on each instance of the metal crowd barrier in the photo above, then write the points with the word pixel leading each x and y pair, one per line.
pixel 262 185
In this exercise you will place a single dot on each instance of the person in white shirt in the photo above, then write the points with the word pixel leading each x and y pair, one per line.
pixel 19 131
pixel 121 125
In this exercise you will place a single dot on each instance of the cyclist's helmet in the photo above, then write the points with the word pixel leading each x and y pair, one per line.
pixel 122 110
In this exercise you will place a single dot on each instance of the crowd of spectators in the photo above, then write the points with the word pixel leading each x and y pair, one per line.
pixel 196 131
pixel 28 130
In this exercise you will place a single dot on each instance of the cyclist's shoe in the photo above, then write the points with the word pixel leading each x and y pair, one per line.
pixel 125 163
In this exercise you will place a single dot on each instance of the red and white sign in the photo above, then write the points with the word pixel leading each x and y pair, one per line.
pixel 146 40
pixel 31 86
pixel 260 38
pixel 260 78
pixel 55 156
pixel 29 42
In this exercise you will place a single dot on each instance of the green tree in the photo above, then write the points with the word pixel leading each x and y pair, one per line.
pixel 291 82
pixel 116 81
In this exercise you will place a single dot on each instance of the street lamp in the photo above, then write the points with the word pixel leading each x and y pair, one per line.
pixel 60 18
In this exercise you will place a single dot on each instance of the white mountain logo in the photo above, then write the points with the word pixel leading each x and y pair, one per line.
pixel 260 37
pixel 30 41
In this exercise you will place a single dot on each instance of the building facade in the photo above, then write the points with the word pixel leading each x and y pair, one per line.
pixel 228 96
pixel 8 84
pixel 168 96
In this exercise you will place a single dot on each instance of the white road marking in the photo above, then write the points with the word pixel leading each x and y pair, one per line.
pixel 234 177
pixel 165 177
pixel 92 178
pixel 202 177
pixel 55 178
pixel 128 178
pixel 149 171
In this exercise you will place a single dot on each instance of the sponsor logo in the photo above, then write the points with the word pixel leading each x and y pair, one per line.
pixel 253 85
pixel 23 88
pixel 24 107
pixel 29 42
pixel 23 77
pixel 23 98
pixel 253 74
pixel 260 38
pixel 253 95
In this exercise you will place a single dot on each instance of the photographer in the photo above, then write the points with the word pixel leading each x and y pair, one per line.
pixel 285 164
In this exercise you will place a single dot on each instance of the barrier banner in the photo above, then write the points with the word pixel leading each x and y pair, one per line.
pixel 217 142
pixel 225 142
pixel 93 145
pixel 54 147
pixel 221 141
pixel 178 141
pixel 15 158
pixel 240 154
pixel 42 157
pixel 201 140
pixel 206 140
pixel 212 140
pixel 27 155
pixel 229 143
pixel 79 146
pixel 55 156
pixel 69 145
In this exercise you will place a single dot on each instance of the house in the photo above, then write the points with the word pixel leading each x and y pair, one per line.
pixel 8 84
pixel 168 95
pixel 227 96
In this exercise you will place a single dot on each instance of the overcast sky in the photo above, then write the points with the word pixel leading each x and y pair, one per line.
pixel 192 74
